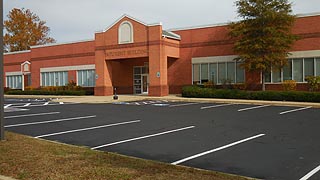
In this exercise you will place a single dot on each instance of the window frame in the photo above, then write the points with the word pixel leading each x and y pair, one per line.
pixel 87 72
pixel 120 41
pixel 217 74
pixel 291 60
pixel 47 77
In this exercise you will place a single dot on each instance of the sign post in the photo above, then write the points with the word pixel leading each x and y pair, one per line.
pixel 1 75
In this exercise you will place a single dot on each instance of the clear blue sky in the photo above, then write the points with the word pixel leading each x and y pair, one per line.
pixel 73 20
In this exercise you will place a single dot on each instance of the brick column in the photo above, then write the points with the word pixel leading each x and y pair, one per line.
pixel 104 71
pixel 158 72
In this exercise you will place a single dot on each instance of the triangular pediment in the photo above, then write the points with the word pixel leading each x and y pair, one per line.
pixel 125 16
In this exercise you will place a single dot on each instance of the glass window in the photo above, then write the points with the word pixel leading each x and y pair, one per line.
pixel 196 73
pixel 240 74
pixel 125 33
pixel 222 75
pixel 297 70
pixel 213 73
pixel 308 67
pixel 267 77
pixel 276 75
pixel 317 66
pixel 204 73
pixel 287 71
pixel 14 82
pixel 54 78
pixel 137 70
pixel 145 69
pixel 29 80
pixel 86 78
pixel 231 72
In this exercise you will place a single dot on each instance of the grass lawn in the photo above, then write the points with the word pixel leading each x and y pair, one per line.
pixel 23 157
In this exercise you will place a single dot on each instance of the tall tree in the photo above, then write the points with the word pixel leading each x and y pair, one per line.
pixel 24 29
pixel 263 36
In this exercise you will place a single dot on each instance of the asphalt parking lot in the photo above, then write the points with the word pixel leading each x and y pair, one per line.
pixel 259 141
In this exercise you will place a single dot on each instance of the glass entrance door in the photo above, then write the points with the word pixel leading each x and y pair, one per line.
pixel 140 79
pixel 145 83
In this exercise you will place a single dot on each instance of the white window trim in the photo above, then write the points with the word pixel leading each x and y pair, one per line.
pixel 213 59
pixel 68 68
pixel 304 54
pixel 15 73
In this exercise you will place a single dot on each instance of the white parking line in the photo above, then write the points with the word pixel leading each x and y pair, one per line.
pixel 143 137
pixel 311 173
pixel 217 149
pixel 186 104
pixel 61 103
pixel 28 104
pixel 219 105
pixel 51 121
pixel 27 115
pixel 86 129
pixel 6 106
pixel 255 107
pixel 46 103
pixel 12 109
pixel 294 110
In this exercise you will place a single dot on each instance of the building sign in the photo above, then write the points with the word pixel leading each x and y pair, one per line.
pixel 127 53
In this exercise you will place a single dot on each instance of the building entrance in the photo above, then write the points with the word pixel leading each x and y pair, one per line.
pixel 145 83
pixel 140 80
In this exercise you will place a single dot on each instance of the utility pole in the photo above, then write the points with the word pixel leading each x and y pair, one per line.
pixel 1 75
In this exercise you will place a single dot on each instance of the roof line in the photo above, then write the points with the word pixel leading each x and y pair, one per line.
pixel 130 17
pixel 225 24
pixel 198 27
pixel 17 52
pixel 63 43
pixel 308 14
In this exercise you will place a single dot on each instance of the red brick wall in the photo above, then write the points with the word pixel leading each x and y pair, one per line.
pixel 81 53
pixel 214 41
pixel 12 62
pixel 164 55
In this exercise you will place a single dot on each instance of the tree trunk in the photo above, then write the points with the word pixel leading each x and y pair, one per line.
pixel 263 81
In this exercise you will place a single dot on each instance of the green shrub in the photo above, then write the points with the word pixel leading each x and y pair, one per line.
pixel 70 89
pixel 313 82
pixel 289 85
pixel 194 91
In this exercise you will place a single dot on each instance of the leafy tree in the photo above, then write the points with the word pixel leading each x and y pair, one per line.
pixel 24 29
pixel 263 37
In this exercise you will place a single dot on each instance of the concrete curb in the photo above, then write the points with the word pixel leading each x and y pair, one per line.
pixel 126 98
pixel 6 178
pixel 242 101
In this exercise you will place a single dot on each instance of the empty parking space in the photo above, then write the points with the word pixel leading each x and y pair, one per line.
pixel 244 139
pixel 86 129
pixel 216 149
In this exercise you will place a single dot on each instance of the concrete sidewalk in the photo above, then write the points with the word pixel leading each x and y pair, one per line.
pixel 6 178
pixel 126 98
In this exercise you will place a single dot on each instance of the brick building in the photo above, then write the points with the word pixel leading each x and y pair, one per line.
pixel 140 58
